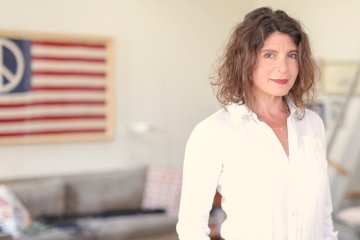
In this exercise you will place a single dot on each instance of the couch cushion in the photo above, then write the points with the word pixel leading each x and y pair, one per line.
pixel 42 196
pixel 96 193
pixel 163 236
pixel 129 227
pixel 55 234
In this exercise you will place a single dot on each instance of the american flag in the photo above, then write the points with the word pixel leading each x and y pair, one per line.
pixel 55 89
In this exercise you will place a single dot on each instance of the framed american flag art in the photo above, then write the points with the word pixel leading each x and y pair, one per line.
pixel 55 88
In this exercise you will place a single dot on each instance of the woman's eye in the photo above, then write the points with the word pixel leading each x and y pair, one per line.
pixel 268 55
pixel 293 55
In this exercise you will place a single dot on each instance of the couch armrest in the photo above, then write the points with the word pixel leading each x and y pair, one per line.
pixel 5 237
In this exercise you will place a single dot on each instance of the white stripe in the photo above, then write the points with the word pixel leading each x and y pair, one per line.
pixel 43 65
pixel 70 82
pixel 69 78
pixel 53 51
pixel 34 111
pixel 60 96
pixel 48 126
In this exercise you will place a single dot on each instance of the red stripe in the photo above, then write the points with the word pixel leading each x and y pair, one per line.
pixel 53 132
pixel 68 73
pixel 67 88
pixel 69 59
pixel 68 44
pixel 50 103
pixel 52 118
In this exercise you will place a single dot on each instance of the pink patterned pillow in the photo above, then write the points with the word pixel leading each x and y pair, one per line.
pixel 162 190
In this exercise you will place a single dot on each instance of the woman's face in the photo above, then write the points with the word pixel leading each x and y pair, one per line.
pixel 276 68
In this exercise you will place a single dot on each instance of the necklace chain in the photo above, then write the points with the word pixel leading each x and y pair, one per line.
pixel 284 142
pixel 282 129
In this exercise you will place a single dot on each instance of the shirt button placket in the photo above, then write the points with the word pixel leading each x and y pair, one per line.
pixel 292 213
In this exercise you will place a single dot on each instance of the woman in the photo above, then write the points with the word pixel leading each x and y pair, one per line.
pixel 264 151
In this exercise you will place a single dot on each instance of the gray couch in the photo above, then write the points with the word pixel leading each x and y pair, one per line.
pixel 101 206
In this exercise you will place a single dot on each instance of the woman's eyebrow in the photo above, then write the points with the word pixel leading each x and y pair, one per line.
pixel 275 51
pixel 267 50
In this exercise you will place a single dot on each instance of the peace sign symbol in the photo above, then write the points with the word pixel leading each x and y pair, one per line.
pixel 8 79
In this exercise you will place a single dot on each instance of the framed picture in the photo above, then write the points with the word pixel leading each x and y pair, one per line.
pixel 336 77
pixel 55 88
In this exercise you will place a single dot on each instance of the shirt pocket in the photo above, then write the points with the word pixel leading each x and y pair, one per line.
pixel 314 152
pixel 312 164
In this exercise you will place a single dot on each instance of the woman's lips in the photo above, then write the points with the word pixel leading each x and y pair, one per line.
pixel 280 81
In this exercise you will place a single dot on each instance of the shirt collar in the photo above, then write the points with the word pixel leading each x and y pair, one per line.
pixel 239 112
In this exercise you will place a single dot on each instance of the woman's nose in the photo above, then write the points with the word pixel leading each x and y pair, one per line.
pixel 282 65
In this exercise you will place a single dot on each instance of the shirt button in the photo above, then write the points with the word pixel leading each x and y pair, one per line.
pixel 293 214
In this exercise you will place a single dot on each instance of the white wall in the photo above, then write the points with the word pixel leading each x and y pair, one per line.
pixel 164 53
pixel 333 26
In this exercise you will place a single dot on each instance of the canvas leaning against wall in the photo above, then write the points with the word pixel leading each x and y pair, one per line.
pixel 337 77
pixel 55 88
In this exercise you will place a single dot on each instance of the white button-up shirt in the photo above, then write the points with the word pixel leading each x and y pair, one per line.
pixel 266 194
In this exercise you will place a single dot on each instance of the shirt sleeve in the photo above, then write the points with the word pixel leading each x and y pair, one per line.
pixel 329 233
pixel 201 172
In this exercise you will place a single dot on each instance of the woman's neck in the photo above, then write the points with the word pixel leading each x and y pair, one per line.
pixel 270 108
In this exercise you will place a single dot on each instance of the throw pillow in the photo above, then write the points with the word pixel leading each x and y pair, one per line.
pixel 162 190
pixel 13 215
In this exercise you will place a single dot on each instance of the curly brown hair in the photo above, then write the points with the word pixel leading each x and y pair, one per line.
pixel 234 79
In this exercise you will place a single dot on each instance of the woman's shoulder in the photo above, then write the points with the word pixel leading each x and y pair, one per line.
pixel 214 125
pixel 213 121
pixel 314 122
pixel 224 118
pixel 313 116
